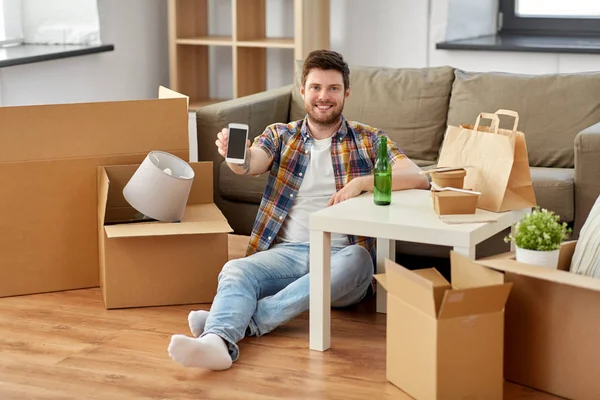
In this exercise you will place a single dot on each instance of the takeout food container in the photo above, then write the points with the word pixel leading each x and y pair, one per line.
pixel 455 179
pixel 448 202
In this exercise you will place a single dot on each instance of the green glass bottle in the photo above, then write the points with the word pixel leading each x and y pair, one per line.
pixel 382 188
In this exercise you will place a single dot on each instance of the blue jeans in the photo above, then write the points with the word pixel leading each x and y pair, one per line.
pixel 258 293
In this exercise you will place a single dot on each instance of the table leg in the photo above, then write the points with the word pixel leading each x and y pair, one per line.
pixel 468 251
pixel 320 290
pixel 512 233
pixel 386 248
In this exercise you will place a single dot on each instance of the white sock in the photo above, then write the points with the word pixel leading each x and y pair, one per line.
pixel 197 320
pixel 208 352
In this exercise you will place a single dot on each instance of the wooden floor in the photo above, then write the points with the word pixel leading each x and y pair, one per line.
pixel 67 346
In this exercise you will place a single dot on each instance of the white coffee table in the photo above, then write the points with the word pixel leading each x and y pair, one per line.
pixel 410 217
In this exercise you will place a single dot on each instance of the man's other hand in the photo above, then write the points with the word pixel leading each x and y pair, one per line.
pixel 352 189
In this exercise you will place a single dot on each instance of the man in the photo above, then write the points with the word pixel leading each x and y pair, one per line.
pixel 313 163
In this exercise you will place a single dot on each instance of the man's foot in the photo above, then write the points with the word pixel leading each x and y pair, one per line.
pixel 208 352
pixel 197 320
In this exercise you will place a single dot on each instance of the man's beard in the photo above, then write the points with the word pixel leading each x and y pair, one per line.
pixel 324 120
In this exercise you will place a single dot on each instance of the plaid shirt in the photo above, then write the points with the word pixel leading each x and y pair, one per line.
pixel 353 149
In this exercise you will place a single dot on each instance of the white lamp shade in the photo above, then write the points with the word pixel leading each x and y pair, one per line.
pixel 160 187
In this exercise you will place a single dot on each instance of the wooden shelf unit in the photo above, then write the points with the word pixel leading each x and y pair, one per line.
pixel 189 43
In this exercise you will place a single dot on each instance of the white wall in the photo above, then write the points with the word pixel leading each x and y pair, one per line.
pixel 61 21
pixel 134 70
pixel 387 33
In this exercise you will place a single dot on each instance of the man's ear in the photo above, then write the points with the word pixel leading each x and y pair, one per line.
pixel 302 90
pixel 347 92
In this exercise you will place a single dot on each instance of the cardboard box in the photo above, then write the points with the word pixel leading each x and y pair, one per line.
pixel 552 324
pixel 157 263
pixel 451 203
pixel 49 156
pixel 443 342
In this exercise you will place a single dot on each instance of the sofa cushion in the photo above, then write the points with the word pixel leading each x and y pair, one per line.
pixel 243 188
pixel 555 190
pixel 410 105
pixel 552 109
pixel 424 164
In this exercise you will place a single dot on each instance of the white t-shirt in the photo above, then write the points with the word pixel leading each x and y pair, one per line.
pixel 315 191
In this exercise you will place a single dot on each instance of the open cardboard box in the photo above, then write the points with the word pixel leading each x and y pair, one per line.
pixel 48 160
pixel 152 263
pixel 552 323
pixel 443 342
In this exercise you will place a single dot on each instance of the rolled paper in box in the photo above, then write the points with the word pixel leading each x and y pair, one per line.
pixel 160 187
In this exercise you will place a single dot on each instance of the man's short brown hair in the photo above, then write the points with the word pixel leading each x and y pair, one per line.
pixel 326 59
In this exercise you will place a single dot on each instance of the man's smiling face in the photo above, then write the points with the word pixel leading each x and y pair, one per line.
pixel 324 96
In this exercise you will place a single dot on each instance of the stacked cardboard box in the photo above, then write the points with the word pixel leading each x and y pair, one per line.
pixel 49 225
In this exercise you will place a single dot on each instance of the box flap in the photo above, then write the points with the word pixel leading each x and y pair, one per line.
pixel 201 191
pixel 118 176
pixel 538 272
pixel 102 181
pixel 381 278
pixel 143 229
pixel 467 274
pixel 198 219
pixel 440 284
pixel 202 212
pixel 422 289
pixel 166 93
pixel 565 255
pixel 474 301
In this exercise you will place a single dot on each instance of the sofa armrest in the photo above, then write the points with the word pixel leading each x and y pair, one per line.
pixel 587 165
pixel 257 110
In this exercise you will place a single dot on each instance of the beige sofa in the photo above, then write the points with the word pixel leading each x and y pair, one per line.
pixel 414 106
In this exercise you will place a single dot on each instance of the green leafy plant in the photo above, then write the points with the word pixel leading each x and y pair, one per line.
pixel 539 230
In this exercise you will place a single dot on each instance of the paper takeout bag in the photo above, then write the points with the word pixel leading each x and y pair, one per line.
pixel 496 162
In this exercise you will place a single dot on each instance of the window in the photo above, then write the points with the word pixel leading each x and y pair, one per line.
pixel 550 17
pixel 11 29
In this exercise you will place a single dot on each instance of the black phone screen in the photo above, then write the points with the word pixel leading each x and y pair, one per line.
pixel 237 143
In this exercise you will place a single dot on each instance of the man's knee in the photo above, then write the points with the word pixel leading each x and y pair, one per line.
pixel 233 270
pixel 359 260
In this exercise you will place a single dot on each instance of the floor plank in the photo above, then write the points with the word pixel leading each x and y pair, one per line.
pixel 66 345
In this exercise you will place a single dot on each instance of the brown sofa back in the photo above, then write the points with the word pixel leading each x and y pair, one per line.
pixel 552 109
pixel 410 105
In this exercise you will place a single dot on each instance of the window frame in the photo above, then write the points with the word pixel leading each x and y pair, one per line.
pixel 513 24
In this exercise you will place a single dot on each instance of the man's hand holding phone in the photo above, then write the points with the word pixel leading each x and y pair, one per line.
pixel 233 144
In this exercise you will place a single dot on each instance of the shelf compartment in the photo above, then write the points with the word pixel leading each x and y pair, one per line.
pixel 250 71
pixel 190 73
pixel 250 20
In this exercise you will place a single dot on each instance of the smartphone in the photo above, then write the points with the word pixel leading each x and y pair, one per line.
pixel 236 147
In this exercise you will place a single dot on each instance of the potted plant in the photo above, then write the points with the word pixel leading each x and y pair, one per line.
pixel 538 236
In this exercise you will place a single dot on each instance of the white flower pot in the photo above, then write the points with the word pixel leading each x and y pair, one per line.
pixel 544 258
